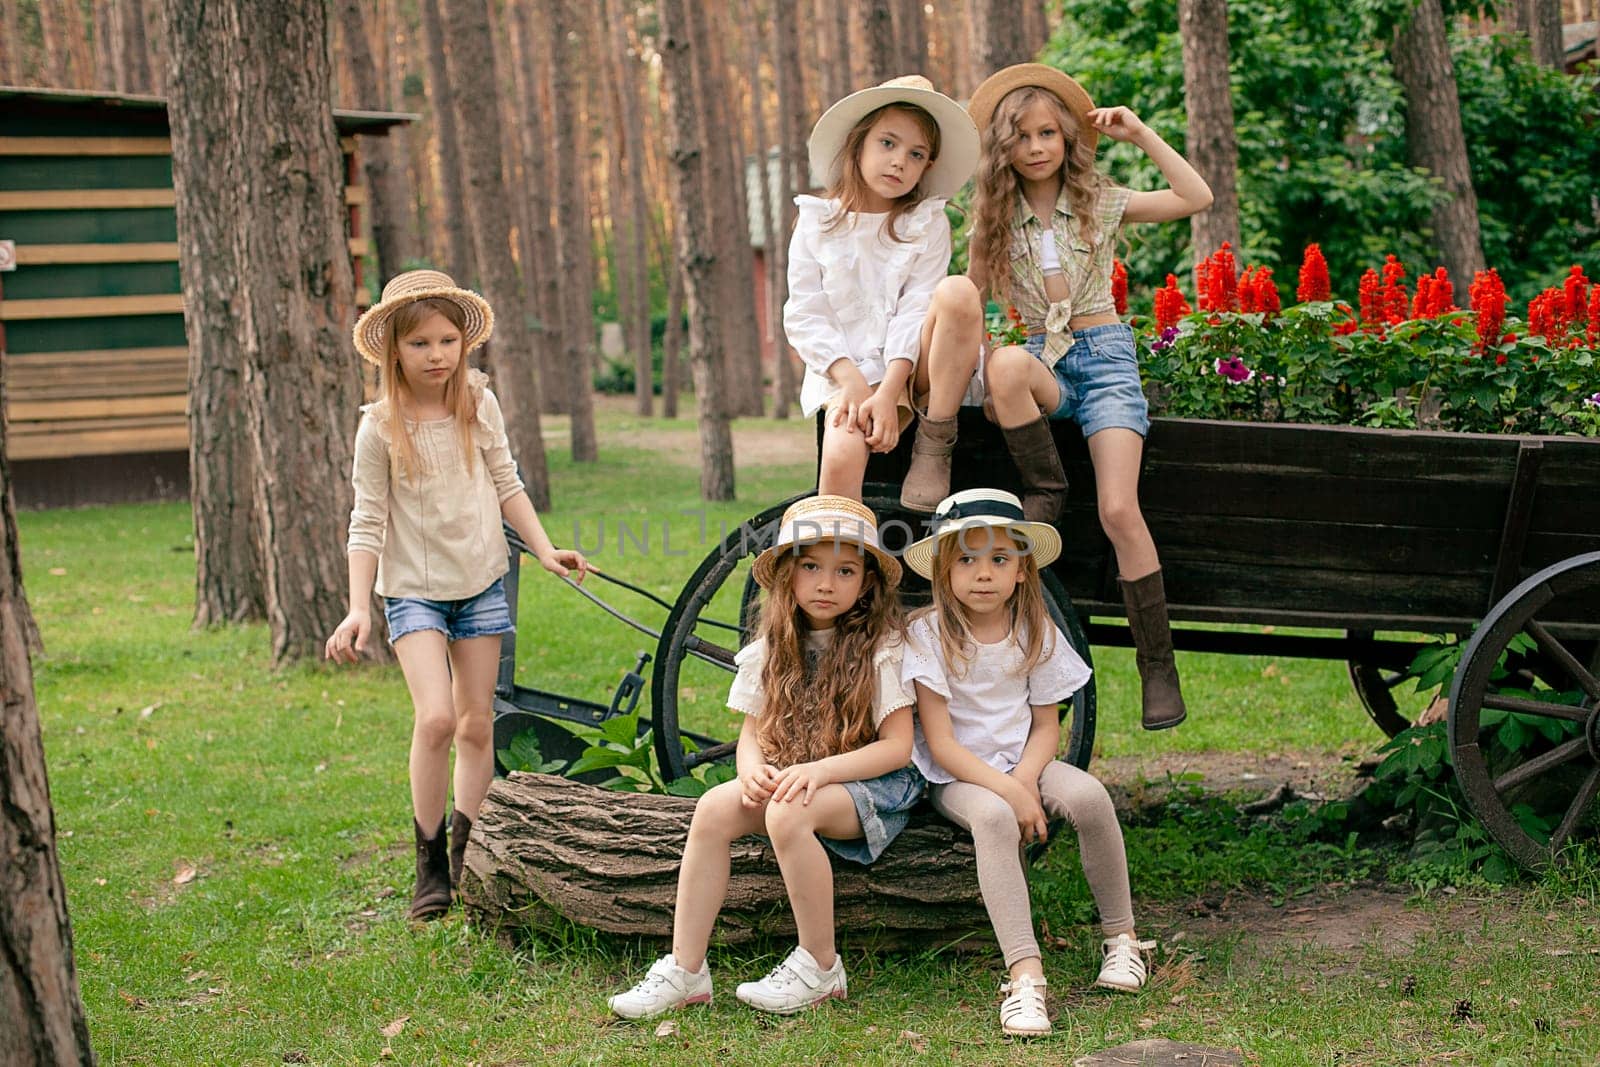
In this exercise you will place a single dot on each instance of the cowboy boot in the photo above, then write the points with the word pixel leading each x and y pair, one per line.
pixel 431 898
pixel 1146 601
pixel 1044 482
pixel 928 480
pixel 460 830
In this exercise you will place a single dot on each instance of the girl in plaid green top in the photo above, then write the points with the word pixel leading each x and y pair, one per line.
pixel 1045 225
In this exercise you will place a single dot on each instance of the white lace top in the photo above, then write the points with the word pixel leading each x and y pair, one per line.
pixel 856 294
pixel 991 704
pixel 745 694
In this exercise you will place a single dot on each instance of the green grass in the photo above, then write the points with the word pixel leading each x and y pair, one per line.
pixel 286 792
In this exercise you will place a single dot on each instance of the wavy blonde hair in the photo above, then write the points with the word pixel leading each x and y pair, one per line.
pixel 1030 620
pixel 850 188
pixel 811 712
pixel 997 188
pixel 459 397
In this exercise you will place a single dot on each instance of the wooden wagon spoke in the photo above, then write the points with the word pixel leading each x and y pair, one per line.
pixel 710 754
pixel 1557 651
pixel 1534 707
pixel 1562 753
pixel 710 651
pixel 1580 804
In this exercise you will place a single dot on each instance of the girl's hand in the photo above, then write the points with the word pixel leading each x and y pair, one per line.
pixel 1031 822
pixel 349 638
pixel 853 394
pixel 563 561
pixel 1117 123
pixel 879 419
pixel 800 781
pixel 757 786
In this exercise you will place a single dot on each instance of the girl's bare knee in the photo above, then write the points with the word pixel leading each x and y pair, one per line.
pixel 435 727
pixel 957 298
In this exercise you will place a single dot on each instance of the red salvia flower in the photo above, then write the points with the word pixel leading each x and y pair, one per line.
pixel 1371 299
pixel 1395 299
pixel 1119 286
pixel 1547 316
pixel 1314 283
pixel 1265 291
pixel 1594 316
pixel 1170 306
pixel 1219 281
pixel 1487 295
pixel 1575 296
pixel 1435 296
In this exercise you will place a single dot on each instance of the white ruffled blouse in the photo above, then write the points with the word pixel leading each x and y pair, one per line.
pixel 437 534
pixel 855 294
pixel 745 694
pixel 991 703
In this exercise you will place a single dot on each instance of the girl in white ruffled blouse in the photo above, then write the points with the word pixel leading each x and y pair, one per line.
pixel 990 670
pixel 882 330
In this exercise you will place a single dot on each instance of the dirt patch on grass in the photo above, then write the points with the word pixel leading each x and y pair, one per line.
pixel 1142 783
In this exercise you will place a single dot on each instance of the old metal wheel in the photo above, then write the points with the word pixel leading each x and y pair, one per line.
pixel 1543 682
pixel 694 658
pixel 1375 682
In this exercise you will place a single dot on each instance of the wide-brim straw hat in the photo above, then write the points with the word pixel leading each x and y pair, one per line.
pixel 817 519
pixel 973 513
pixel 372 328
pixel 997 85
pixel 958 137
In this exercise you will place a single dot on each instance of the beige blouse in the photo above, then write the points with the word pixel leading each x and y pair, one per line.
pixel 1087 266
pixel 436 533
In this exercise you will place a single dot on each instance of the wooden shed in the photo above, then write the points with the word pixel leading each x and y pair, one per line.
pixel 91 306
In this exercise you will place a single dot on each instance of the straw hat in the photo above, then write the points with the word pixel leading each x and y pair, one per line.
pixel 372 328
pixel 958 137
pixel 979 511
pixel 997 85
pixel 826 518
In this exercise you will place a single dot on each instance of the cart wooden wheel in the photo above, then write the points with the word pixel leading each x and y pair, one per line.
pixel 716 612
pixel 1375 682
pixel 1551 692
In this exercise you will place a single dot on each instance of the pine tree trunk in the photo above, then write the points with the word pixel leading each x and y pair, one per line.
pixel 997 30
pixel 1541 20
pixel 698 259
pixel 388 197
pixel 1212 146
pixel 105 50
pixel 793 171
pixel 767 189
pixel 910 30
pixel 41 1013
pixel 630 251
pixel 572 232
pixel 1434 140
pixel 471 73
pixel 672 337
pixel 267 213
pixel 13 69
pixel 839 72
pixel 876 18
pixel 452 212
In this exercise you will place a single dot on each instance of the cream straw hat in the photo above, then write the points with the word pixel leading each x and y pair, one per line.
pixel 826 518
pixel 372 328
pixel 975 512
pixel 958 137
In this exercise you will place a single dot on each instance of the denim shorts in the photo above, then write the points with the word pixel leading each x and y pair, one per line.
pixel 484 615
pixel 883 805
pixel 1099 380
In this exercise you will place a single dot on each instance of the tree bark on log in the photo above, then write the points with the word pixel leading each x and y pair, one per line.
pixel 545 846
pixel 1213 147
pixel 41 1012
pixel 1434 141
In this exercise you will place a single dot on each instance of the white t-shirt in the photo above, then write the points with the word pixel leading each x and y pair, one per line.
pixel 745 694
pixel 991 704
pixel 855 294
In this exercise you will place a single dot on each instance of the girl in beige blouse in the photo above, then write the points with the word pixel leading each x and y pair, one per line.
pixel 433 479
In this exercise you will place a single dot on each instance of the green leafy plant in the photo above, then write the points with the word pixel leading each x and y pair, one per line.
pixel 525 755
pixel 616 744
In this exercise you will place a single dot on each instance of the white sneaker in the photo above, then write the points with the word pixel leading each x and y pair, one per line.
pixel 1124 967
pixel 665 986
pixel 795 984
pixel 1022 1013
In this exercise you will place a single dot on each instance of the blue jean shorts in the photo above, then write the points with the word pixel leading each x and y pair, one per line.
pixel 1099 380
pixel 883 804
pixel 484 615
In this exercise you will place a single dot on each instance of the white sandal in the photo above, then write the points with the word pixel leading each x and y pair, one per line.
pixel 1022 1013
pixel 1124 968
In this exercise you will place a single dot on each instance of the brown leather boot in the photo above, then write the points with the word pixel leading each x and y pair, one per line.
pixel 431 898
pixel 460 830
pixel 1044 482
pixel 1146 601
pixel 928 480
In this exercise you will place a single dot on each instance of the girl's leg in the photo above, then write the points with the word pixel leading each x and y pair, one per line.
pixel 1115 453
pixel 844 458
pixel 807 874
pixel 719 818
pixel 998 844
pixel 1021 388
pixel 951 337
pixel 425 661
pixel 1078 797
pixel 474 662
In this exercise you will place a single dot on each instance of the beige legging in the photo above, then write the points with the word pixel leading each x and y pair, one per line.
pixel 1066 792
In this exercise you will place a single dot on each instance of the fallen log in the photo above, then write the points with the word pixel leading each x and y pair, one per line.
pixel 547 847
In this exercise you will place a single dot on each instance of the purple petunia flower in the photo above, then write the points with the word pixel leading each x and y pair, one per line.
pixel 1233 369
pixel 1592 401
pixel 1165 341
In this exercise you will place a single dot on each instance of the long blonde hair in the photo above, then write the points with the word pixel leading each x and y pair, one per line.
pixel 1030 620
pixel 818 710
pixel 850 188
pixel 459 398
pixel 997 188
